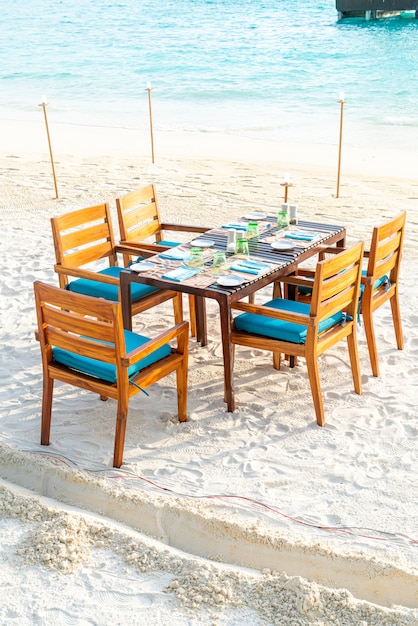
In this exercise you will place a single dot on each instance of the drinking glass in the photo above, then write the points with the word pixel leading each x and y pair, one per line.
pixel 252 230
pixel 196 258
pixel 242 251
pixel 219 266
pixel 283 216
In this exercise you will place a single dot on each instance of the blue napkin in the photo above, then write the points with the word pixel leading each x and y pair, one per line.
pixel 180 274
pixel 236 225
pixel 301 235
pixel 175 255
pixel 246 269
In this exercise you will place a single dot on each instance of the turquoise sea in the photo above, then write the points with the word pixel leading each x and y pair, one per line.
pixel 268 68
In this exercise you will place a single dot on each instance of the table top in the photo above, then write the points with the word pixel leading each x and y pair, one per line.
pixel 260 248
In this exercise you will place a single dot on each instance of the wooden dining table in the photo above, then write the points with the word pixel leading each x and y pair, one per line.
pixel 204 284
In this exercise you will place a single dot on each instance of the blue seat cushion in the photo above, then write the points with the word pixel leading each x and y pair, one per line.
pixel 104 290
pixel 171 244
pixel 167 244
pixel 278 329
pixel 107 371
pixel 377 283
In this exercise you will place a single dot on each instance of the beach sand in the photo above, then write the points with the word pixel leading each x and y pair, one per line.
pixel 256 517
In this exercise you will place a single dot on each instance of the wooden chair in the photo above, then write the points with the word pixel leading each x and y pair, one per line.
pixel 307 330
pixel 380 282
pixel 83 241
pixel 140 225
pixel 83 343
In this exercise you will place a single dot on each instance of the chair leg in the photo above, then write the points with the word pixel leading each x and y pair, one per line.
pixel 354 361
pixel 313 373
pixel 276 360
pixel 104 398
pixel 121 419
pixel 396 316
pixel 371 340
pixel 48 388
pixel 192 315
pixel 181 379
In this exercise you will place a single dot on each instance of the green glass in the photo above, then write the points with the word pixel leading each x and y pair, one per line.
pixel 196 258
pixel 252 230
pixel 219 266
pixel 283 218
pixel 242 250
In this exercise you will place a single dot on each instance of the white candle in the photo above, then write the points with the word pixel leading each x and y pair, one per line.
pixel 44 100
pixel 287 178
pixel 341 96
pixel 148 85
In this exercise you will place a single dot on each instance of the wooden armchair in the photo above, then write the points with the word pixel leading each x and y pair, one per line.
pixel 379 282
pixel 141 227
pixel 307 330
pixel 84 242
pixel 83 343
pixel 140 221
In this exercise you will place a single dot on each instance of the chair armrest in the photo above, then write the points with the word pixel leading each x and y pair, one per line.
pixel 147 249
pixel 367 280
pixel 267 311
pixel 181 331
pixel 77 272
pixel 185 227
pixel 298 281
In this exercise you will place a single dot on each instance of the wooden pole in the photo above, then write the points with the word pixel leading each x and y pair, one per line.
pixel 286 189
pixel 341 101
pixel 44 104
pixel 149 89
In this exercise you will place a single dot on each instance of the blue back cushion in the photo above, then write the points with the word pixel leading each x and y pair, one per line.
pixel 107 371
pixel 108 292
pixel 277 329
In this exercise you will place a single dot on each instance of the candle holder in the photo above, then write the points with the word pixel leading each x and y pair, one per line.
pixel 44 104
pixel 149 89
pixel 286 186
pixel 342 102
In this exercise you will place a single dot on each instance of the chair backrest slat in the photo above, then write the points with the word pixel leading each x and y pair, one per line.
pixel 79 323
pixel 84 236
pixel 386 248
pixel 337 283
pixel 139 216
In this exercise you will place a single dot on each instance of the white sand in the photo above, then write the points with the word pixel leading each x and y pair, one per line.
pixel 256 517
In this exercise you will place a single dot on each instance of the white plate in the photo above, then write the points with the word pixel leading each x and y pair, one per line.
pixel 230 281
pixel 143 266
pixel 255 216
pixel 202 243
pixel 282 245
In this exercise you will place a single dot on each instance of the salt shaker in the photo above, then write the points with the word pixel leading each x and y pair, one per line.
pixel 232 238
pixel 293 210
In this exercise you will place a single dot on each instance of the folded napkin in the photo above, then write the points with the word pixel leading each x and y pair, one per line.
pixel 245 268
pixel 180 274
pixel 236 225
pixel 302 235
pixel 175 255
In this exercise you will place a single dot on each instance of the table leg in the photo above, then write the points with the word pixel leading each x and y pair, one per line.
pixel 126 300
pixel 201 322
pixel 225 315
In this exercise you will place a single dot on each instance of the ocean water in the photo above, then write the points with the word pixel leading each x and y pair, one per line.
pixel 268 68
